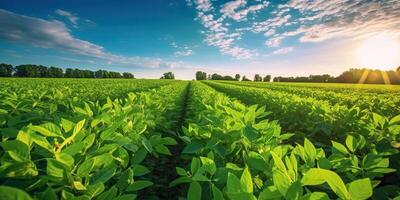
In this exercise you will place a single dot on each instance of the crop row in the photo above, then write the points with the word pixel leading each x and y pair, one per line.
pixel 307 116
pixel 238 154
pixel 384 104
pixel 87 150
pixel 74 89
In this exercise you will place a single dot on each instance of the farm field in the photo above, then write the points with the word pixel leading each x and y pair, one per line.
pixel 168 139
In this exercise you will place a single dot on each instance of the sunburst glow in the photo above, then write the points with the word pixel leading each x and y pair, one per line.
pixel 379 52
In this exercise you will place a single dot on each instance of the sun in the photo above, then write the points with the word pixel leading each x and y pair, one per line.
pixel 379 52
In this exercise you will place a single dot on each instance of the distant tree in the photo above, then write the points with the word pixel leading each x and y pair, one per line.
pixel 168 75
pixel 27 71
pixel 228 78
pixel 237 77
pixel 245 79
pixel 257 78
pixel 398 69
pixel 55 72
pixel 6 70
pixel 201 75
pixel 267 78
pixel 128 75
pixel 216 76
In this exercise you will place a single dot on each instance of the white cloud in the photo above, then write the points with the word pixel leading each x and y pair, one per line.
pixel 54 34
pixel 321 20
pixel 71 17
pixel 274 42
pixel 282 51
pixel 181 50
pixel 218 35
pixel 231 9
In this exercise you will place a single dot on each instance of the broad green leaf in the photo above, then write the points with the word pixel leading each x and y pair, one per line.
pixel 217 194
pixel 140 170
pixel 138 185
pixel 94 190
pixel 316 176
pixel 339 148
pixel 17 150
pixel 309 149
pixel 233 183
pixel 10 193
pixel 19 170
pixel 295 191
pixel 49 194
pixel 270 193
pixel 139 156
pixel 44 131
pixel 194 192
pixel 78 185
pixel 360 189
pixel 209 165
pixel 85 168
pixel 109 194
pixel 315 196
pixel 179 181
pixel 246 181
pixel 146 143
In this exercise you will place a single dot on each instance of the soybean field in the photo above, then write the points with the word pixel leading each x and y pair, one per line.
pixel 130 139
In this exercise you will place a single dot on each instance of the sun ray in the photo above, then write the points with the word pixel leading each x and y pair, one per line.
pixel 385 78
pixel 363 77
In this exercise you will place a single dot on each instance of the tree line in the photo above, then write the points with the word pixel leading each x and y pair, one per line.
pixel 353 75
pixel 40 71
pixel 203 76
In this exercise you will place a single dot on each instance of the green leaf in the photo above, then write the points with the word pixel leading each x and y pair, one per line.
pixel 138 185
pixel 193 147
pixel 146 143
pixel 85 168
pixel 109 194
pixel 140 170
pixel 44 131
pixel 55 168
pixel 94 190
pixel 394 120
pixel 139 156
pixel 337 147
pixel 179 181
pixel 17 150
pixel 181 171
pixel 162 149
pixel 295 191
pixel 126 197
pixel 10 193
pixel 217 194
pixel 209 165
pixel 360 189
pixel 78 185
pixel 310 150
pixel 316 176
pixel 194 165
pixel 49 194
pixel 233 183
pixel 316 196
pixel 194 192
pixel 246 181
pixel 19 170
pixel 270 193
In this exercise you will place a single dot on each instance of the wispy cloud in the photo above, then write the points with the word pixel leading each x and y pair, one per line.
pixel 54 34
pixel 71 17
pixel 321 20
pixel 182 50
pixel 232 9
pixel 282 51
pixel 218 34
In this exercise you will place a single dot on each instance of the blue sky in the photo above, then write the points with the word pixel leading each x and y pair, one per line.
pixel 147 38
